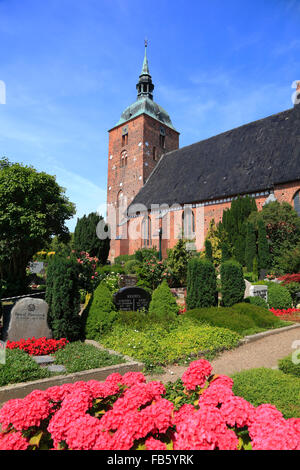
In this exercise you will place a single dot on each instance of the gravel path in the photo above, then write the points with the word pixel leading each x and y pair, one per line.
pixel 264 352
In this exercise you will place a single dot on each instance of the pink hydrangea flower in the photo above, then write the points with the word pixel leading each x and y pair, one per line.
pixel 196 374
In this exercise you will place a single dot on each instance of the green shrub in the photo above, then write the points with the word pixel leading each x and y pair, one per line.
pixel 131 266
pixel 145 254
pixel 250 246
pixel 107 269
pixel 101 313
pixel 177 262
pixel 224 317
pixel 258 301
pixel 279 297
pixel 20 367
pixel 294 289
pixel 232 283
pixel 201 284
pixel 63 298
pixel 79 356
pixel 262 385
pixel 163 304
pixel 122 259
pixel 208 250
pixel 287 366
pixel 262 317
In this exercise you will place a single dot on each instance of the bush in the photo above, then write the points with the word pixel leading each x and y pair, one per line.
pixel 258 301
pixel 101 313
pixel 262 317
pixel 163 304
pixel 262 385
pixel 223 317
pixel 145 254
pixel 131 266
pixel 115 268
pixel 287 366
pixel 294 289
pixel 177 262
pixel 279 297
pixel 63 298
pixel 122 259
pixel 20 367
pixel 79 356
pixel 201 284
pixel 232 283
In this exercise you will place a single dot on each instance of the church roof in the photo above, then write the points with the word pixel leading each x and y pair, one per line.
pixel 250 158
pixel 145 105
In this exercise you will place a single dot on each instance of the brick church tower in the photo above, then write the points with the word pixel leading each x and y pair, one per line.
pixel 136 143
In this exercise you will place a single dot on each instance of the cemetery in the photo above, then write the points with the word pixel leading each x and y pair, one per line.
pixel 115 326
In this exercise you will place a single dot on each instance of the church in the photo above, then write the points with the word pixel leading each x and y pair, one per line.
pixel 158 192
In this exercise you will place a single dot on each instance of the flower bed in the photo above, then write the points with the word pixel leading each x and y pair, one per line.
pixel 38 347
pixel 125 412
pixel 290 314
pixel 288 278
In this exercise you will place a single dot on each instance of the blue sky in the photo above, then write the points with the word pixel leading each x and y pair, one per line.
pixel 70 68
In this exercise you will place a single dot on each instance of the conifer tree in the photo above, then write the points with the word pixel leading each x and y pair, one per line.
pixel 208 250
pixel 263 246
pixel 250 248
pixel 86 239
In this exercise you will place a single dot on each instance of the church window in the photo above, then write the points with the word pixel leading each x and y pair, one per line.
pixel 188 223
pixel 146 232
pixel 154 154
pixel 124 136
pixel 297 202
pixel 123 159
pixel 162 141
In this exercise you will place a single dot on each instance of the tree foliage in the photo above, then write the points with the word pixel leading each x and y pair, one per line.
pixel 201 284
pixel 33 208
pixel 86 239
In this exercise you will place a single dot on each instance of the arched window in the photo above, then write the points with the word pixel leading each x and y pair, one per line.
pixel 188 223
pixel 146 231
pixel 123 158
pixel 296 201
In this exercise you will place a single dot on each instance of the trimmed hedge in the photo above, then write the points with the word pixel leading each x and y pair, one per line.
pixel 201 284
pixel 243 318
pixel 263 385
pixel 232 283
pixel 130 267
pixel 287 366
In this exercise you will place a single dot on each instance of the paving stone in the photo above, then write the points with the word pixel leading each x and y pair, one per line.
pixel 43 360
pixel 56 368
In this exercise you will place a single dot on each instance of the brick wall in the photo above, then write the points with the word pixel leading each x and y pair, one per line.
pixel 203 216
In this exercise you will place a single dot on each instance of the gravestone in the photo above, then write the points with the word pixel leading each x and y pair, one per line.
pixel 262 274
pixel 28 318
pixel 132 299
pixel 247 289
pixel 37 267
pixel 127 280
pixel 259 291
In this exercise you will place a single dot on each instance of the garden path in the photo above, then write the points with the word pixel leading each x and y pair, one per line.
pixel 264 352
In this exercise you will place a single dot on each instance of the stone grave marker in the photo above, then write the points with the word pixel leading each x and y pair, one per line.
pixel 28 318
pixel 259 291
pixel 128 280
pixel 37 267
pixel 132 299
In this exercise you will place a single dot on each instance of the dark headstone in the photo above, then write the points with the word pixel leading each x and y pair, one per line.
pixel 132 299
pixel 262 274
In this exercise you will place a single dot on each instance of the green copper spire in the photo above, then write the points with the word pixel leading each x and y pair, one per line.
pixel 145 68
pixel 145 86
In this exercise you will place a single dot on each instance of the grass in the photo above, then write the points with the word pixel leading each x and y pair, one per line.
pixel 263 385
pixel 79 356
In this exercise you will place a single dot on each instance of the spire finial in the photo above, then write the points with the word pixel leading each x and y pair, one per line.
pixel 145 86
